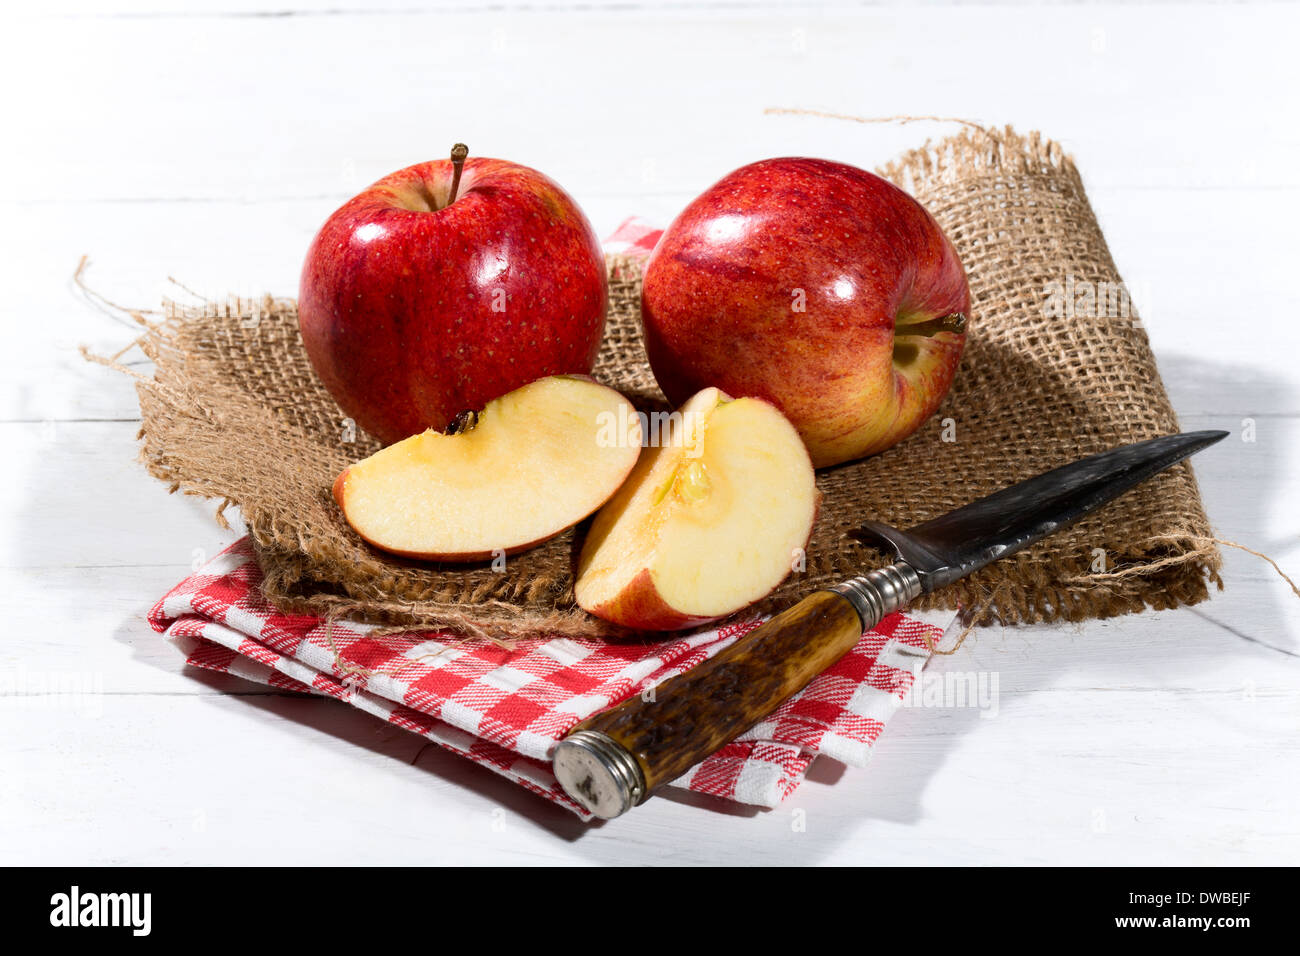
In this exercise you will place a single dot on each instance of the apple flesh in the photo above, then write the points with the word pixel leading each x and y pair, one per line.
pixel 711 520
pixel 817 286
pixel 414 307
pixel 529 465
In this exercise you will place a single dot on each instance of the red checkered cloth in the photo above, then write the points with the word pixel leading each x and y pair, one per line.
pixel 506 708
pixel 635 237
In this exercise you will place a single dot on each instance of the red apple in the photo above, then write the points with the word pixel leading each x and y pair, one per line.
pixel 817 286
pixel 422 297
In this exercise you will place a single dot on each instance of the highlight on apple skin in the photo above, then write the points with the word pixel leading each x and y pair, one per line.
pixel 417 302
pixel 817 286
pixel 531 464
pixel 711 519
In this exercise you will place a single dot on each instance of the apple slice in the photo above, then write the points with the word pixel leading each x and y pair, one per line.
pixel 529 465
pixel 711 520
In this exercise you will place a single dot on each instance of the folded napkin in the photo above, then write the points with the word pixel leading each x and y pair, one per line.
pixel 506 707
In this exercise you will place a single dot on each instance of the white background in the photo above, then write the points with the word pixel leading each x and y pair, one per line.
pixel 208 141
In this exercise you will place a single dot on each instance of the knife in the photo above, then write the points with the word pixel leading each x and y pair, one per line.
pixel 615 759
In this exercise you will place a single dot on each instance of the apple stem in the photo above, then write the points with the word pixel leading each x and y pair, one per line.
pixel 956 323
pixel 458 154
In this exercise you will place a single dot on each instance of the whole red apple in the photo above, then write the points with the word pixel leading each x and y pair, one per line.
pixel 817 286
pixel 420 300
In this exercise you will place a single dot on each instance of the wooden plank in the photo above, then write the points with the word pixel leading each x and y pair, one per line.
pixel 218 91
pixel 1107 783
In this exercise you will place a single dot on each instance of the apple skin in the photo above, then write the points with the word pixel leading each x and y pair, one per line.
pixel 413 310
pixel 722 290
pixel 641 607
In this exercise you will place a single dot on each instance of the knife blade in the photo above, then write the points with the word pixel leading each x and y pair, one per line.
pixel 615 759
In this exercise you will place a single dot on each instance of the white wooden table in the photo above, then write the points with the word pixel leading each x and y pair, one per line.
pixel 210 145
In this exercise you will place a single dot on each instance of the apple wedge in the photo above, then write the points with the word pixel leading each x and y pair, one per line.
pixel 712 518
pixel 529 465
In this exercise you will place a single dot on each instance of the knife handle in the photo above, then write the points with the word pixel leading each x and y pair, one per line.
pixel 613 760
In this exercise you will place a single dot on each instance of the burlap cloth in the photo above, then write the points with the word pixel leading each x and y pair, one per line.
pixel 235 412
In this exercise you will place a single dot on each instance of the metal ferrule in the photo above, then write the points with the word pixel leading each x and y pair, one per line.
pixel 598 773
pixel 881 592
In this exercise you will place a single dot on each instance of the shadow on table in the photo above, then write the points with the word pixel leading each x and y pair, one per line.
pixel 1249 473
pixel 323 715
